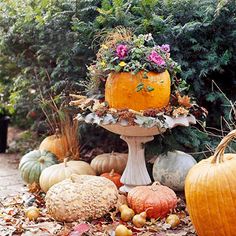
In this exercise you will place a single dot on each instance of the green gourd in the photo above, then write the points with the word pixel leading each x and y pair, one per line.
pixel 33 163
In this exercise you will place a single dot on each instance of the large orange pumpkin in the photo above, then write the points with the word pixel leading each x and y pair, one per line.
pixel 56 144
pixel 210 189
pixel 121 90
pixel 157 200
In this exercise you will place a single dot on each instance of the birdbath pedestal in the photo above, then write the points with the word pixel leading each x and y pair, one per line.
pixel 135 173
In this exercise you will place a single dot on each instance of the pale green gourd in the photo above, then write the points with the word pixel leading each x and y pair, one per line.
pixel 33 163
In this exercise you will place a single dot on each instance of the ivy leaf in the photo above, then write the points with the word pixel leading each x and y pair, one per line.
pixel 139 87
pixel 149 88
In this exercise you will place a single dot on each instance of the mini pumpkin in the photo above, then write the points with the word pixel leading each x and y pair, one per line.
pixel 114 177
pixel 82 197
pixel 171 169
pixel 57 173
pixel 121 90
pixel 33 163
pixel 156 200
pixel 56 144
pixel 106 162
pixel 210 190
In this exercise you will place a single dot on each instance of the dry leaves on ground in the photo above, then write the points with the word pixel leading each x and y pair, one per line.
pixel 14 222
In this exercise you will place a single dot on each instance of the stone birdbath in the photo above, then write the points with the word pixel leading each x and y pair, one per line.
pixel 135 173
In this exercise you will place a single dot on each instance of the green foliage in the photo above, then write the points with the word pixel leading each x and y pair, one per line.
pixel 45 46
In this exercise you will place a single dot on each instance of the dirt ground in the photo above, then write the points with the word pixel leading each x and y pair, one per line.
pixel 10 180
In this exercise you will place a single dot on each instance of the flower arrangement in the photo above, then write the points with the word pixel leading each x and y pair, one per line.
pixel 139 54
pixel 124 52
pixel 121 51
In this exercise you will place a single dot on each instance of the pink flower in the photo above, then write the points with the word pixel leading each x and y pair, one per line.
pixel 122 51
pixel 165 47
pixel 156 58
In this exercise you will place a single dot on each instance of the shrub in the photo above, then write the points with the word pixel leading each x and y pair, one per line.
pixel 48 44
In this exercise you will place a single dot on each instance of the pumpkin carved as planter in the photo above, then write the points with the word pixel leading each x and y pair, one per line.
pixel 56 144
pixel 121 90
pixel 157 200
pixel 33 163
pixel 171 169
pixel 82 197
pixel 210 189
pixel 57 173
pixel 106 162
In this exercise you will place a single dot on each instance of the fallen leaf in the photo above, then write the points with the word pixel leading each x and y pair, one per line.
pixel 79 229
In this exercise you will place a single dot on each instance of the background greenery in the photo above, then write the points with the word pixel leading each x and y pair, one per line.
pixel 45 46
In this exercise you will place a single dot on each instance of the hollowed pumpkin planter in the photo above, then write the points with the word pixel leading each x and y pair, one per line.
pixel 121 90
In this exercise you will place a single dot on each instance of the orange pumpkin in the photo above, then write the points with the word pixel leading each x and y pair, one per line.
pixel 157 200
pixel 56 144
pixel 121 90
pixel 210 189
pixel 114 177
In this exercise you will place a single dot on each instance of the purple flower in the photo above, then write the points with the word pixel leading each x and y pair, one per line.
pixel 122 51
pixel 156 58
pixel 165 47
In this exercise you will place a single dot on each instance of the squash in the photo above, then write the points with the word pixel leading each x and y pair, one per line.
pixel 82 197
pixel 171 169
pixel 121 90
pixel 210 190
pixel 33 163
pixel 56 144
pixel 106 162
pixel 114 177
pixel 57 173
pixel 156 200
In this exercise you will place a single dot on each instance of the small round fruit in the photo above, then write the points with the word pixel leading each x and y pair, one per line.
pixel 173 220
pixel 122 230
pixel 32 213
pixel 139 220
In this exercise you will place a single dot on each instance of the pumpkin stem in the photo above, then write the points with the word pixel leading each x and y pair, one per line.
pixel 57 133
pixel 65 161
pixel 218 156
pixel 112 173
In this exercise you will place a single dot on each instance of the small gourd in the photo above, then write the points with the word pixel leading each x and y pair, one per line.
pixel 122 230
pixel 173 220
pixel 32 213
pixel 126 213
pixel 139 220
pixel 114 177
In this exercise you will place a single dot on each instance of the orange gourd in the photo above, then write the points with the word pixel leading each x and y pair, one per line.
pixel 114 177
pixel 121 90
pixel 210 189
pixel 56 144
pixel 157 200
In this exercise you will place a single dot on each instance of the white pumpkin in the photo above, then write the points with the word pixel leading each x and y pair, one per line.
pixel 171 169
pixel 57 173
pixel 82 197
pixel 106 162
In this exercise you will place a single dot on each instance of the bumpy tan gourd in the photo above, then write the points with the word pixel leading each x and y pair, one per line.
pixel 81 197
pixel 57 173
pixel 107 161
